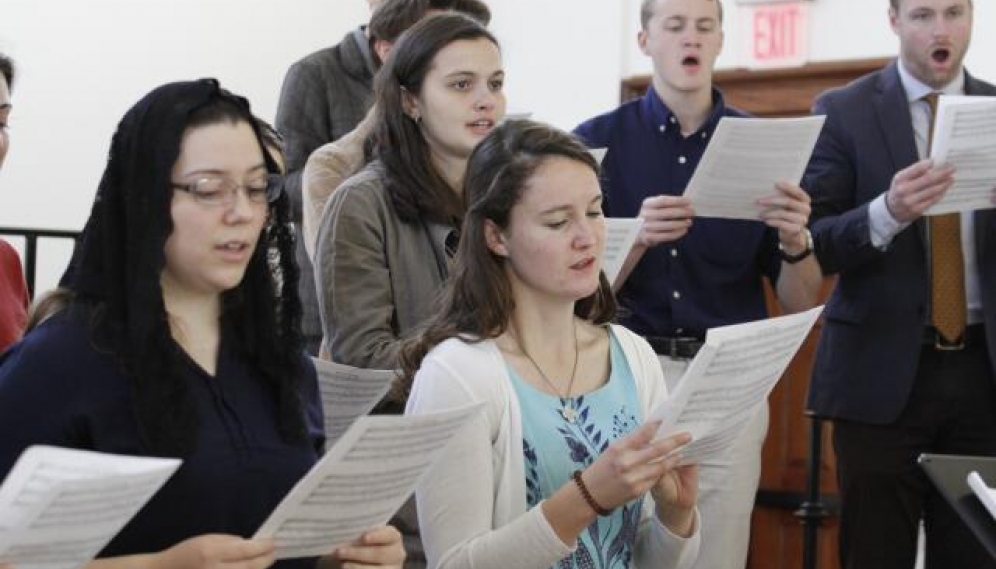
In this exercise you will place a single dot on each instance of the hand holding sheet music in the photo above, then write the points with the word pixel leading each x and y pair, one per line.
pixel 60 507
pixel 744 161
pixel 729 380
pixel 361 482
pixel 965 137
pixel 348 393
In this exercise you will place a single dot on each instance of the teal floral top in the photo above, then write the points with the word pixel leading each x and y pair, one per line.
pixel 554 447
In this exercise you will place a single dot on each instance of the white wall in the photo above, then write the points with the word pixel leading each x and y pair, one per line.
pixel 82 63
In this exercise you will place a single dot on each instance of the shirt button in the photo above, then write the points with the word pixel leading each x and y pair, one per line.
pixel 705 134
pixel 673 120
pixel 679 331
pixel 674 252
pixel 677 295
pixel 682 160
pixel 662 128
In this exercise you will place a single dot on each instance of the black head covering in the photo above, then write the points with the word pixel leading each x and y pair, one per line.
pixel 116 277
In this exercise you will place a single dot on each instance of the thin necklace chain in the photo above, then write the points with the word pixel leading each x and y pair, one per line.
pixel 566 412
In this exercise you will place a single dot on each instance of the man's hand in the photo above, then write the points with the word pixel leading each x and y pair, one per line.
pixel 788 211
pixel 915 188
pixel 665 219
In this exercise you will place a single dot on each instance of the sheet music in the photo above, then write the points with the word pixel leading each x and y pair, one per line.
pixel 620 235
pixel 982 490
pixel 348 393
pixel 744 160
pixel 965 136
pixel 361 482
pixel 598 153
pixel 729 380
pixel 60 507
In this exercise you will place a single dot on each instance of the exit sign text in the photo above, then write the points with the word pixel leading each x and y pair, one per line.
pixel 777 35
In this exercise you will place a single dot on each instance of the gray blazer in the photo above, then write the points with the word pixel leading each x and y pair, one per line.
pixel 379 277
pixel 324 96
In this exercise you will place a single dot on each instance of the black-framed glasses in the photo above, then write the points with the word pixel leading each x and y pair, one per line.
pixel 220 192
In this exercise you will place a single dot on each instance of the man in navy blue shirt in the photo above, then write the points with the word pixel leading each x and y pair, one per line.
pixel 686 277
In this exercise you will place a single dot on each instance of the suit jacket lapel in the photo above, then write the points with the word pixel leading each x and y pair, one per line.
pixel 893 113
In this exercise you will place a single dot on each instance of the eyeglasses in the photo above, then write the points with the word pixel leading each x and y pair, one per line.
pixel 220 192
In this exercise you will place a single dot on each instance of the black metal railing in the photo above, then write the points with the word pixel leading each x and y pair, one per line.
pixel 31 237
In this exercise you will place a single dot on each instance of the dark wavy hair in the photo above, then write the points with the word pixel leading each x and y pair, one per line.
pixel 416 188
pixel 391 18
pixel 477 301
pixel 7 70
pixel 117 280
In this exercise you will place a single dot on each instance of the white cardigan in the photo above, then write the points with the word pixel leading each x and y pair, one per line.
pixel 472 503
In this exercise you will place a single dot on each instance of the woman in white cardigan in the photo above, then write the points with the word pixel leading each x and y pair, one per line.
pixel 556 470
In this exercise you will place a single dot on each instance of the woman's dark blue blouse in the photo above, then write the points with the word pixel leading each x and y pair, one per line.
pixel 57 389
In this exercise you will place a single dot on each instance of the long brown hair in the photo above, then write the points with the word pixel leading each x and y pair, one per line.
pixel 477 302
pixel 416 188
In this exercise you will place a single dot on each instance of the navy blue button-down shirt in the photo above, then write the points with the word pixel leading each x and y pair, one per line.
pixel 711 276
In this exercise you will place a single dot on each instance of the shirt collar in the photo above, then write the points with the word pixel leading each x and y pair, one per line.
pixel 665 120
pixel 364 44
pixel 916 89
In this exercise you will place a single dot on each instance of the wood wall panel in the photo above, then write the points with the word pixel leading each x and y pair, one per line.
pixel 776 92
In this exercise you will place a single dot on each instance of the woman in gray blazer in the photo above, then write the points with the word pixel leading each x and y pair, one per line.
pixel 386 236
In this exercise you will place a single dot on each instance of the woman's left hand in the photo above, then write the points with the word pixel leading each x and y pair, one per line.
pixel 379 547
pixel 675 494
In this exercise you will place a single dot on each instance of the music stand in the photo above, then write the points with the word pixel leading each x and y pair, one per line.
pixel 949 473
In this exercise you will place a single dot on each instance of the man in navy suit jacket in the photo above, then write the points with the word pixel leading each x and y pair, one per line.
pixel 892 384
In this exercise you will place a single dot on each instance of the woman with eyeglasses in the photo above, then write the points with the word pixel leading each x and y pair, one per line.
pixel 180 340
pixel 387 234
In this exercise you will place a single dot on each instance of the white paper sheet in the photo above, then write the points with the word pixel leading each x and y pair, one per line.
pixel 982 490
pixel 60 507
pixel 348 393
pixel 598 153
pixel 744 160
pixel 620 235
pixel 361 482
pixel 965 136
pixel 729 380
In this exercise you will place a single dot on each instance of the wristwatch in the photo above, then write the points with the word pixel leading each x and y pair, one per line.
pixel 793 258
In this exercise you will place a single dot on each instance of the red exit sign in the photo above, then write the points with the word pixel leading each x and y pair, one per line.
pixel 777 35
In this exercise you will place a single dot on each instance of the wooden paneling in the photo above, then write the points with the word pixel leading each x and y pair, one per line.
pixel 776 534
pixel 775 92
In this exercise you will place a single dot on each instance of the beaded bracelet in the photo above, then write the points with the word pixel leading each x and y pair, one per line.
pixel 587 495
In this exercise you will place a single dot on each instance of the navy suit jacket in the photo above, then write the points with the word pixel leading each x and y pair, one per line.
pixel 873 324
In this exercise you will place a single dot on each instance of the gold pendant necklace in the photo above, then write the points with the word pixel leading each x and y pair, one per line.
pixel 567 410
